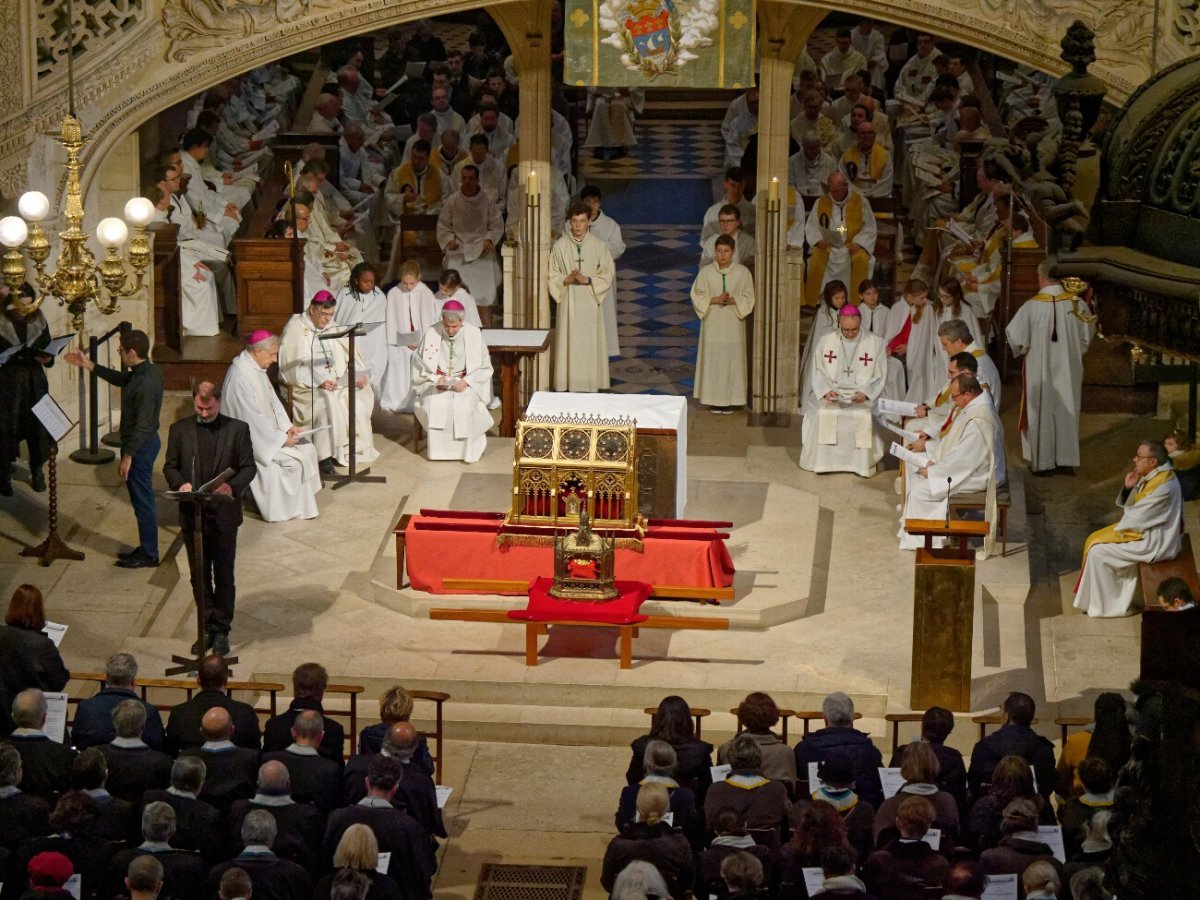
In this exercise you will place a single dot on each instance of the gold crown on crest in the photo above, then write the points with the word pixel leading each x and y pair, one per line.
pixel 643 9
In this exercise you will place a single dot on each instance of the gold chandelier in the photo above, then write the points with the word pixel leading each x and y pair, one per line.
pixel 77 280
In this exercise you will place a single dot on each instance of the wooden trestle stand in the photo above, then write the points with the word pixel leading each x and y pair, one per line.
pixel 943 614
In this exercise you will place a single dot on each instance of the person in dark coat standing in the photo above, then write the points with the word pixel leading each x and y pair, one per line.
pixel 840 738
pixel 93 723
pixel 27 657
pixel 309 681
pixel 199 448
pixel 184 727
pixel 22 384
pixel 141 385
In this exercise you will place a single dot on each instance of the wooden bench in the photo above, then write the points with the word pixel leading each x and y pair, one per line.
pixel 699 713
pixel 978 501
pixel 533 629
pixel 1181 566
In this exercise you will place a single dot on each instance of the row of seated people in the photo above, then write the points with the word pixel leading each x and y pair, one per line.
pixel 767 803
pixel 211 787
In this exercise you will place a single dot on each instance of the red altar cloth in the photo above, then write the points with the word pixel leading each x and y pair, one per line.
pixel 462 545
pixel 622 610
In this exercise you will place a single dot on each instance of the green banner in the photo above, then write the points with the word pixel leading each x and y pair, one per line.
pixel 660 43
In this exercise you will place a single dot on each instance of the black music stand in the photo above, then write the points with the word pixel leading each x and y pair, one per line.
pixel 199 498
pixel 351 332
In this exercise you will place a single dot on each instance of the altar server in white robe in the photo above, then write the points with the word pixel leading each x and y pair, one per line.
pixel 849 374
pixel 452 378
pixel 968 459
pixel 361 302
pixel 411 311
pixel 605 227
pixel 874 313
pixel 833 297
pixel 288 470
pixel 1052 330
pixel 912 338
pixel 723 297
pixel 581 271
pixel 451 287
pixel 318 373
pixel 1150 530
pixel 469 231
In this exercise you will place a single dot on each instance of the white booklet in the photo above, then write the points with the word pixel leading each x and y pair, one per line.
pixel 896 429
pixel 55 632
pixel 905 455
pixel 895 407
pixel 56 715
pixel 52 417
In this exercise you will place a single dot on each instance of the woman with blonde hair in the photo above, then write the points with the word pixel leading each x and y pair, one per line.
pixel 396 705
pixel 652 840
pixel 358 851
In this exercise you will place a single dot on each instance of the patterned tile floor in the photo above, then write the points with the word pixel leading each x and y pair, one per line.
pixel 665 150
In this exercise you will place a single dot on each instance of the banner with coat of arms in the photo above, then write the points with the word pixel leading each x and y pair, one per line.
pixel 660 43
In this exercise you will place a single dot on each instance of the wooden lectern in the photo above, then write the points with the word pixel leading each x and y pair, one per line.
pixel 943 614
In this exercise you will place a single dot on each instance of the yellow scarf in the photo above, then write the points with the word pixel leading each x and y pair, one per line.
pixel 874 166
pixel 852 214
pixel 1111 534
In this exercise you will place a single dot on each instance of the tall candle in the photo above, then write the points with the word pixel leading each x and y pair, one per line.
pixel 773 190
pixel 532 187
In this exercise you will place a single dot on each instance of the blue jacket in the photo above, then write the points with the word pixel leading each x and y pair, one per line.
pixel 93 725
pixel 827 743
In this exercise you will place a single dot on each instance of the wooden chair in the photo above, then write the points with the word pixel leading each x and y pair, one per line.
pixel 978 501
pixel 1182 566
pixel 784 715
pixel 699 713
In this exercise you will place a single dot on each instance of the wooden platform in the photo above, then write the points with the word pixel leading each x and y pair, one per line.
pixel 533 629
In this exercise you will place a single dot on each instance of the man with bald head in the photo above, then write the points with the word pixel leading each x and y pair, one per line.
pixel 184 727
pixel 868 164
pixel 231 769
pixel 314 778
pixel 300 825
pixel 417 794
pixel 45 763
pixel 840 233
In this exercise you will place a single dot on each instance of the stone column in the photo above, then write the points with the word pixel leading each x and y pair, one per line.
pixel 784 28
pixel 526 26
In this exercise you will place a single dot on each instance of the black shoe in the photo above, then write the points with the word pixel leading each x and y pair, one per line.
pixel 197 649
pixel 125 554
pixel 138 560
pixel 220 645
pixel 37 480
pixel 326 466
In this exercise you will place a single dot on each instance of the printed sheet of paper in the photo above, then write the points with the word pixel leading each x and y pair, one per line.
pixel 1052 837
pixel 52 417
pixel 55 632
pixel 1000 887
pixel 720 773
pixel 814 877
pixel 443 792
pixel 892 781
pixel 895 407
pixel 56 715
pixel 384 860
pixel 905 455
pixel 814 783
pixel 896 429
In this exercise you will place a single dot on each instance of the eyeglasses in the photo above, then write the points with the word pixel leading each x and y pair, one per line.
pixel 1139 456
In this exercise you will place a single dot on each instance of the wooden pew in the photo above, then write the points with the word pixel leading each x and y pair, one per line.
pixel 270 276
pixel 168 319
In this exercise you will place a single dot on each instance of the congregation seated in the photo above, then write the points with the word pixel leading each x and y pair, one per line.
pixel 74 834
pixel 315 778
pixel 1076 814
pixel 936 725
pixel 920 769
pixel 760 803
pixel 229 770
pixel 28 658
pixel 1020 845
pixel 272 877
pixel 908 861
pixel 197 823
pixel 417 794
pixel 184 724
pixel 309 681
pixel 1108 738
pixel 651 840
pixel 817 829
pixel 672 723
pixel 660 768
pixel 22 815
pixel 839 737
pixel 758 714
pixel 835 786
pixel 134 767
pixel 93 723
pixel 742 877
pixel 45 763
pixel 396 705
pixel 730 838
pixel 734 187
pixel 1015 737
pixel 1011 780
pixel 357 857
pixel 729 223
pixel 115 817
pixel 183 871
pixel 299 826
pixel 839 879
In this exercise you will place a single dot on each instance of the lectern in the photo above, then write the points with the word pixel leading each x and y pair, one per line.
pixel 943 614
pixel 352 332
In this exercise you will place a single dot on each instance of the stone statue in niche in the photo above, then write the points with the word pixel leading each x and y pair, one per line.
pixel 197 25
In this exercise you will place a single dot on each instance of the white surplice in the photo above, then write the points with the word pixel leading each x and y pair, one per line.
pixel 721 358
pixel 843 438
pixel 470 309
pixel 469 221
pixel 1052 375
pixel 605 228
pixel 355 308
pixel 288 477
pixel 1109 583
pixel 306 362
pixel 921 372
pixel 581 346
pixel 409 314
pixel 456 422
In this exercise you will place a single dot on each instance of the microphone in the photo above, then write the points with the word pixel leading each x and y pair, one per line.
pixel 947 501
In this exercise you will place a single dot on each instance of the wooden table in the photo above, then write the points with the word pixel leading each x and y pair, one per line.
pixel 510 346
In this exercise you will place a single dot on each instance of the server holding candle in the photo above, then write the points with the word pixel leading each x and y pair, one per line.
pixel 723 296
pixel 581 270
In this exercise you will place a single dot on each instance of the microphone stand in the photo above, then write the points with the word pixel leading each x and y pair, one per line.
pixel 351 385
pixel 947 501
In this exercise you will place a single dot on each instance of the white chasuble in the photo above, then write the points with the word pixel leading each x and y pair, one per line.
pixel 456 421
pixel 840 435
pixel 580 342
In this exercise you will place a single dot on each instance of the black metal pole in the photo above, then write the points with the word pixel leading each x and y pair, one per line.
pixel 93 454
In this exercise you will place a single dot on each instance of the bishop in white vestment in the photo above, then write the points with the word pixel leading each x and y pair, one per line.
pixel 452 378
pixel 723 297
pixel 581 271
pixel 1150 530
pixel 318 372
pixel 288 475
pixel 848 375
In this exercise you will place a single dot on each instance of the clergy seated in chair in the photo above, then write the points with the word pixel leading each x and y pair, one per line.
pixel 968 459
pixel 723 297
pixel 452 379
pixel 288 475
pixel 317 370
pixel 469 231
pixel 933 416
pixel 848 376
pixel 841 235
pixel 1150 530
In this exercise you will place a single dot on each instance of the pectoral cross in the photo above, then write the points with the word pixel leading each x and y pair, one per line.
pixel 830 356
pixel 865 360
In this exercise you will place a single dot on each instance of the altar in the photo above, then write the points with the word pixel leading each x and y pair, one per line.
pixel 662 440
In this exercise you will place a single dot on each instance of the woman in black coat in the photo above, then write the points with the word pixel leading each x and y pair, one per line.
pixel 672 723
pixel 28 658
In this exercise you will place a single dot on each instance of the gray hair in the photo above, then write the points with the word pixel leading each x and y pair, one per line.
pixel 454 315
pixel 1155 447
pixel 1089 883
pixel 744 752
pixel 29 708
pixel 259 828
pixel 838 710
pixel 129 718
pixel 188 774
pixel 639 880
pixel 10 765
pixel 309 725
pixel 158 821
pixel 270 342
pixel 659 759
pixel 274 777
pixel 955 330
pixel 120 670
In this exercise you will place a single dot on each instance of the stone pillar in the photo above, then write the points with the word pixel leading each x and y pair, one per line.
pixel 526 26
pixel 784 28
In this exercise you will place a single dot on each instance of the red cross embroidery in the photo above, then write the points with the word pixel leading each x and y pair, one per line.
pixel 830 356
pixel 865 360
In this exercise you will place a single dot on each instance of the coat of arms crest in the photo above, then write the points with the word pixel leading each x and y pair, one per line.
pixel 657 37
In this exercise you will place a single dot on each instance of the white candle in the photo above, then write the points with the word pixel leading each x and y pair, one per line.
pixel 773 190
pixel 532 186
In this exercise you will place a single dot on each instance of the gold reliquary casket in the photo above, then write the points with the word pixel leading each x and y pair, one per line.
pixel 565 465
pixel 583 564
